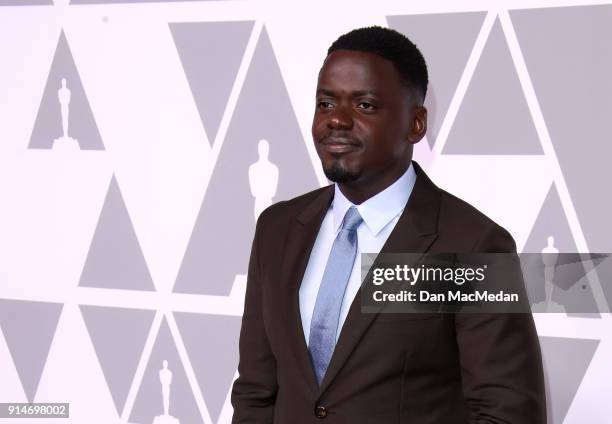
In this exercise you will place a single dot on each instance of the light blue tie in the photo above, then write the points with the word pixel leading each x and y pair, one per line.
pixel 324 323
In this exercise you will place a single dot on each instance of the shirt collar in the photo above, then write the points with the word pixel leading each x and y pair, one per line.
pixel 380 209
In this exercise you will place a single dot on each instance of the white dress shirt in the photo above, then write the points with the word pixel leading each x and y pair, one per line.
pixel 380 213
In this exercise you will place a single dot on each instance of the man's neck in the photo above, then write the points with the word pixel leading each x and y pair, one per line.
pixel 358 191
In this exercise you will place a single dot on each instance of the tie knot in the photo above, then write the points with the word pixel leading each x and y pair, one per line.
pixel 352 219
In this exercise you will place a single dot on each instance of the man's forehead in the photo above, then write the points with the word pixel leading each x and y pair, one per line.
pixel 355 59
pixel 348 67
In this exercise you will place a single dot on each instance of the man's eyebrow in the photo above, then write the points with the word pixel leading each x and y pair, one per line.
pixel 325 92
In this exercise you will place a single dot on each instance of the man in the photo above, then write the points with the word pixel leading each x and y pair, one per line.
pixel 307 352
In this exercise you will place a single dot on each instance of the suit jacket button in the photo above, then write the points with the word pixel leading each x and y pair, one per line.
pixel 320 412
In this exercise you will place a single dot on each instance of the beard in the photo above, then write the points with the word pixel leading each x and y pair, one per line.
pixel 338 174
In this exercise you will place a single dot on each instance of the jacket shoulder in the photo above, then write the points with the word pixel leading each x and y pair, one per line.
pixel 458 211
pixel 461 221
pixel 285 209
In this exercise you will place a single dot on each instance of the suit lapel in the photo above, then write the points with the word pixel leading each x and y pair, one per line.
pixel 300 241
pixel 414 232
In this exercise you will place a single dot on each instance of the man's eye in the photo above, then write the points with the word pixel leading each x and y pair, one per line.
pixel 366 106
pixel 324 105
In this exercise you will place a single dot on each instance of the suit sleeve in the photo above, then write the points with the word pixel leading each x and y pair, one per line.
pixel 254 391
pixel 501 363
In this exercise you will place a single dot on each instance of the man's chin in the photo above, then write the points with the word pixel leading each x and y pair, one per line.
pixel 339 174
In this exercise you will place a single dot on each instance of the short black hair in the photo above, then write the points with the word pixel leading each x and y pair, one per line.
pixel 391 45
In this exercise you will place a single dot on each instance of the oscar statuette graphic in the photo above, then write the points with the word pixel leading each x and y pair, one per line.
pixel 165 378
pixel 550 257
pixel 263 179
pixel 65 141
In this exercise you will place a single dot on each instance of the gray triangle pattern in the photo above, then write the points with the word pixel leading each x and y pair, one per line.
pixel 604 273
pixel 81 123
pixel 211 53
pixel 571 286
pixel 494 118
pixel 565 364
pixel 569 57
pixel 212 344
pixel 148 403
pixel 118 336
pixel 115 259
pixel 575 293
pixel 551 221
pixel 29 328
pixel 446 56
pixel 216 253
pixel 572 289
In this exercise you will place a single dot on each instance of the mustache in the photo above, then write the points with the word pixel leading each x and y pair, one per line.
pixel 338 137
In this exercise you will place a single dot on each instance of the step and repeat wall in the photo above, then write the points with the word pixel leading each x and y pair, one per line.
pixel 140 139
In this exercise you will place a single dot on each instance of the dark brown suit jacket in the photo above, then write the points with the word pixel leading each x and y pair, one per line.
pixel 386 368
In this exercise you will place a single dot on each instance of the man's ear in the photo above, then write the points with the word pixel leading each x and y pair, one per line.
pixel 419 125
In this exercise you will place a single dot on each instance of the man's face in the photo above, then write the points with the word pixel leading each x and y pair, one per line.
pixel 365 121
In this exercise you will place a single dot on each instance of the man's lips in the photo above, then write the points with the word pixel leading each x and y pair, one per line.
pixel 339 144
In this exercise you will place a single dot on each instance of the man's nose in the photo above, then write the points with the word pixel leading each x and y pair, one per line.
pixel 340 119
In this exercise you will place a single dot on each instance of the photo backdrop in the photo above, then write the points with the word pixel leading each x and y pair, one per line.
pixel 132 167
